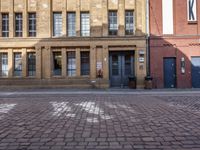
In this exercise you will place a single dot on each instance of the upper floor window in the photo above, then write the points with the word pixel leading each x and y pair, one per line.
pixel 32 24
pixel 5 25
pixel 129 22
pixel 85 24
pixel 57 24
pixel 18 25
pixel 3 64
pixel 113 27
pixel 71 24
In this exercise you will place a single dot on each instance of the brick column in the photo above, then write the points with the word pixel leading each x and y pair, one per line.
pixel 38 62
pixel 105 63
pixel 64 17
pixel 78 28
pixel 92 62
pixel 48 62
pixel 121 16
pixel 64 62
pixel 78 62
pixel 105 17
pixel 24 63
pixel 10 63
pixel 25 17
pixel 11 19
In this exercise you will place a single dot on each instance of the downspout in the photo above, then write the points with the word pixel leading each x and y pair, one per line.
pixel 147 40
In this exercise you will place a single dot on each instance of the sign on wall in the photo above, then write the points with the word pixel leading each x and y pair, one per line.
pixel 192 10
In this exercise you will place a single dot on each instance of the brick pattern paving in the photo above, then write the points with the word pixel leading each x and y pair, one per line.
pixel 58 122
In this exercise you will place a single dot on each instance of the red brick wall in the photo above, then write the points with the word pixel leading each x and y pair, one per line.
pixel 184 42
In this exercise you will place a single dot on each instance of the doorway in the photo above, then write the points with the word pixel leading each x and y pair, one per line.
pixel 121 67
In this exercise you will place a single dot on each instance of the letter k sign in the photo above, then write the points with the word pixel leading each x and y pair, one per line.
pixel 192 10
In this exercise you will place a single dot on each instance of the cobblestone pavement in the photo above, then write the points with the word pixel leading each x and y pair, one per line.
pixel 58 122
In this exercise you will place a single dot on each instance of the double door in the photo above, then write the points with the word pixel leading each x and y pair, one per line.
pixel 121 67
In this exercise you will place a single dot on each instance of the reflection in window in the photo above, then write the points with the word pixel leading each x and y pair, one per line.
pixel 71 24
pixel 115 65
pixel 113 27
pixel 3 64
pixel 18 25
pixel 129 27
pixel 85 24
pixel 57 63
pixel 17 64
pixel 31 64
pixel 85 63
pixel 127 64
pixel 71 63
pixel 5 25
pixel 32 24
pixel 57 24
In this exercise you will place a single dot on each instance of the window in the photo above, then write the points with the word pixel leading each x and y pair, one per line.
pixel 18 25
pixel 57 63
pixel 5 25
pixel 129 23
pixel 31 64
pixel 85 24
pixel 17 64
pixel 32 24
pixel 4 64
pixel 71 24
pixel 85 63
pixel 113 27
pixel 71 63
pixel 57 24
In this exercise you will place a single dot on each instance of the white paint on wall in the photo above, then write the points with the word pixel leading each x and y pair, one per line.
pixel 167 16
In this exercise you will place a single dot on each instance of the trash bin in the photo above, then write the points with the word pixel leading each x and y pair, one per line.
pixel 148 82
pixel 132 82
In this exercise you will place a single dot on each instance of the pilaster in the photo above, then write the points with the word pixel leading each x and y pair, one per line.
pixel 24 63
pixel 78 62
pixel 64 62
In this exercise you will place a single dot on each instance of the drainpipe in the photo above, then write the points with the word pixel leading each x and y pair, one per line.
pixel 147 39
pixel 148 78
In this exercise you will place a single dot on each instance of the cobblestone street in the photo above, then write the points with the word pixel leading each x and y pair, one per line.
pixel 99 121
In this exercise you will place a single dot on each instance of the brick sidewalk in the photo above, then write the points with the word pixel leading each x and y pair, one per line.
pixel 58 122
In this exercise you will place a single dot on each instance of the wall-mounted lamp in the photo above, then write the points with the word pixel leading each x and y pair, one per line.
pixel 183 65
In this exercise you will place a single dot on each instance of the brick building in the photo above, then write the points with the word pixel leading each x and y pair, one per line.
pixel 72 42
pixel 175 43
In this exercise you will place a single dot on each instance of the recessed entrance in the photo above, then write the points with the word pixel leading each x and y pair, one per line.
pixel 121 67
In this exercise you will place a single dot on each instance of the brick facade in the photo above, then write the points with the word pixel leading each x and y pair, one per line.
pixel 99 44
pixel 183 43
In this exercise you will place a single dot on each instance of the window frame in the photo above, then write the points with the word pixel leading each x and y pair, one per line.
pixel 85 26
pixel 71 72
pixel 3 67
pixel 57 69
pixel 114 19
pixel 18 27
pixel 31 65
pixel 57 26
pixel 32 27
pixel 130 31
pixel 17 67
pixel 5 33
pixel 70 24
pixel 83 71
